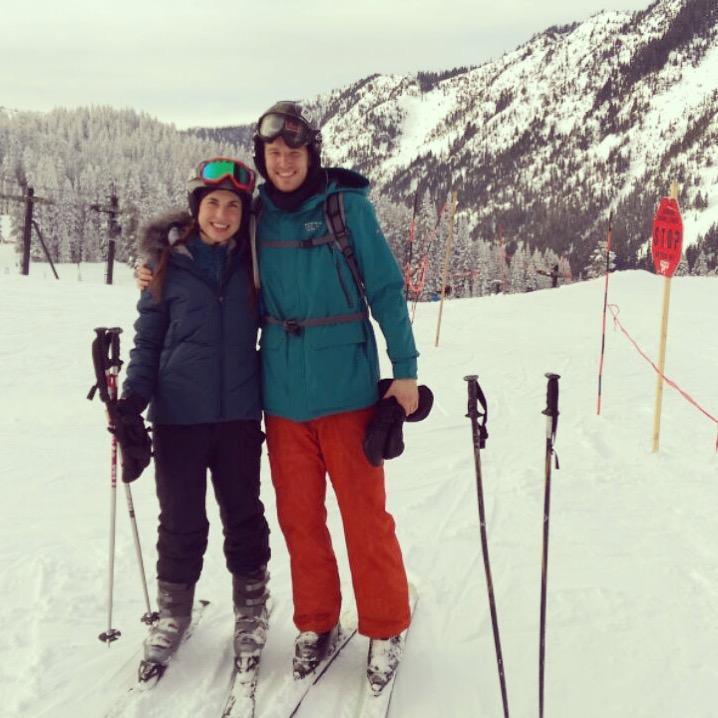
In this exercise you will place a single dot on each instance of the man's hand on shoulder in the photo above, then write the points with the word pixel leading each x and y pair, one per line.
pixel 143 276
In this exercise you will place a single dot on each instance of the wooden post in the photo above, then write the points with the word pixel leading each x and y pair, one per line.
pixel 662 349
pixel 447 258
pixel 113 231
pixel 27 231
pixel 44 248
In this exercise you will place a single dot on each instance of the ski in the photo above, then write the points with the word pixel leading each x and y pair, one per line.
pixel 240 702
pixel 284 696
pixel 150 675
pixel 376 696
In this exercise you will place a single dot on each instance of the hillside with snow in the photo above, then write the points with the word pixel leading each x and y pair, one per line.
pixel 633 567
pixel 551 137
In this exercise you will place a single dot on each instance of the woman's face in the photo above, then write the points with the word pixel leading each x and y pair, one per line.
pixel 219 216
pixel 287 168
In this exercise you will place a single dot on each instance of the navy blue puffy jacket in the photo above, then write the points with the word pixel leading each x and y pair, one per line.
pixel 195 357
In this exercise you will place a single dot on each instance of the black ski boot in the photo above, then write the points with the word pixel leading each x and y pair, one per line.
pixel 249 593
pixel 311 648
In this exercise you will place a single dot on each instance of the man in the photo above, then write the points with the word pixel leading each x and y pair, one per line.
pixel 320 373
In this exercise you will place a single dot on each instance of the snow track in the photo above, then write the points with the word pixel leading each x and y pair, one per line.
pixel 633 573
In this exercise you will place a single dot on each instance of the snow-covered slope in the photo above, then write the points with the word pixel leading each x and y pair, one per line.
pixel 633 575
pixel 550 137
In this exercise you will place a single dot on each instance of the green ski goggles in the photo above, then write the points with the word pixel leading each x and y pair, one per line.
pixel 218 169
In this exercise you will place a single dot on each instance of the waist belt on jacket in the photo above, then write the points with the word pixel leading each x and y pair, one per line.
pixel 295 326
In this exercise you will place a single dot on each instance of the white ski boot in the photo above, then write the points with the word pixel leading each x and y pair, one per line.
pixel 311 648
pixel 383 659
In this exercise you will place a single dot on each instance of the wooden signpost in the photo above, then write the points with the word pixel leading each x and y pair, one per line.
pixel 666 250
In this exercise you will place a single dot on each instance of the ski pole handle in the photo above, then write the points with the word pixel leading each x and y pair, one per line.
pixel 476 397
pixel 551 395
pixel 473 383
pixel 114 338
pixel 551 412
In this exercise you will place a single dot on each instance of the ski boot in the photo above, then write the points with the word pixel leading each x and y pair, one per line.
pixel 382 661
pixel 175 610
pixel 311 648
pixel 249 593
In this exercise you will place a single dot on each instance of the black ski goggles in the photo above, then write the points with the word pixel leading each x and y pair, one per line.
pixel 218 169
pixel 291 129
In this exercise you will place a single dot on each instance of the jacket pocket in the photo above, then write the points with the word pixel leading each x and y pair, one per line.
pixel 338 369
pixel 336 335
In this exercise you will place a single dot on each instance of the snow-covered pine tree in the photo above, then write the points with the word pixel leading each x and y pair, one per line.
pixel 700 267
pixel 519 269
pixel 596 266
pixel 462 266
pixel 682 269
pixel 428 247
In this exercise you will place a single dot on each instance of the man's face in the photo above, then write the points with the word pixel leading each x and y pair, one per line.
pixel 287 168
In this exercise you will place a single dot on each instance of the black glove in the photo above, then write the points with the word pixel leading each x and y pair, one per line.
pixel 384 437
pixel 132 436
pixel 426 400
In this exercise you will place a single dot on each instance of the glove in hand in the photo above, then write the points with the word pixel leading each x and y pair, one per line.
pixel 384 438
pixel 132 436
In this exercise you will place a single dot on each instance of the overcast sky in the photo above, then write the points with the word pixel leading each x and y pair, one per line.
pixel 212 63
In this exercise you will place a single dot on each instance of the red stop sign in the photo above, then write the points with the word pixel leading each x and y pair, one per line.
pixel 667 237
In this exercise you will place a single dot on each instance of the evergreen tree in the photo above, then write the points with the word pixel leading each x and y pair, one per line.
pixel 700 268
pixel 682 268
pixel 597 262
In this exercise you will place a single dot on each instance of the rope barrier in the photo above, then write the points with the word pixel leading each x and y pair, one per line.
pixel 614 309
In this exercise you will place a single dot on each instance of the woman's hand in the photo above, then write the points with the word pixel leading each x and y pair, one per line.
pixel 143 276
pixel 406 393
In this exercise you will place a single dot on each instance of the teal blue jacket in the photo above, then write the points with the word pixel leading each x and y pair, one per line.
pixel 333 368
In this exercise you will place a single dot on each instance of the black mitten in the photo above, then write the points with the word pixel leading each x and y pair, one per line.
pixel 384 437
pixel 132 436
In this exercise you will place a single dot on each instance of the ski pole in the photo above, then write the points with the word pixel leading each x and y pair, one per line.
pixel 479 434
pixel 149 617
pixel 551 412
pixel 105 345
pixel 106 358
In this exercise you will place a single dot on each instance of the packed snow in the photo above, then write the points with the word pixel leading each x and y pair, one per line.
pixel 633 565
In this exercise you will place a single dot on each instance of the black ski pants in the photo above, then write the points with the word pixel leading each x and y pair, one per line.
pixel 183 454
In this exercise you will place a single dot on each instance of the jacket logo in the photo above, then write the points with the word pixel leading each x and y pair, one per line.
pixel 312 226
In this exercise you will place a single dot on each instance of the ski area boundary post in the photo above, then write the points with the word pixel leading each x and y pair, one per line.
pixel 609 238
pixel 666 249
pixel 447 258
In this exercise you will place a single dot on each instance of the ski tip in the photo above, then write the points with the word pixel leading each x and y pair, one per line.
pixel 203 602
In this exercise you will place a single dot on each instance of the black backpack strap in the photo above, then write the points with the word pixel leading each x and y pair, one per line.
pixel 255 212
pixel 336 221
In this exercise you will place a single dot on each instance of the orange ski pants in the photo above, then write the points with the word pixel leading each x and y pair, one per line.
pixel 301 454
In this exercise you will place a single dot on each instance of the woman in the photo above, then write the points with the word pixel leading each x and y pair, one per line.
pixel 195 363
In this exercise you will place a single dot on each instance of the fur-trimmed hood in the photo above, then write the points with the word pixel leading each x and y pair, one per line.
pixel 161 232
